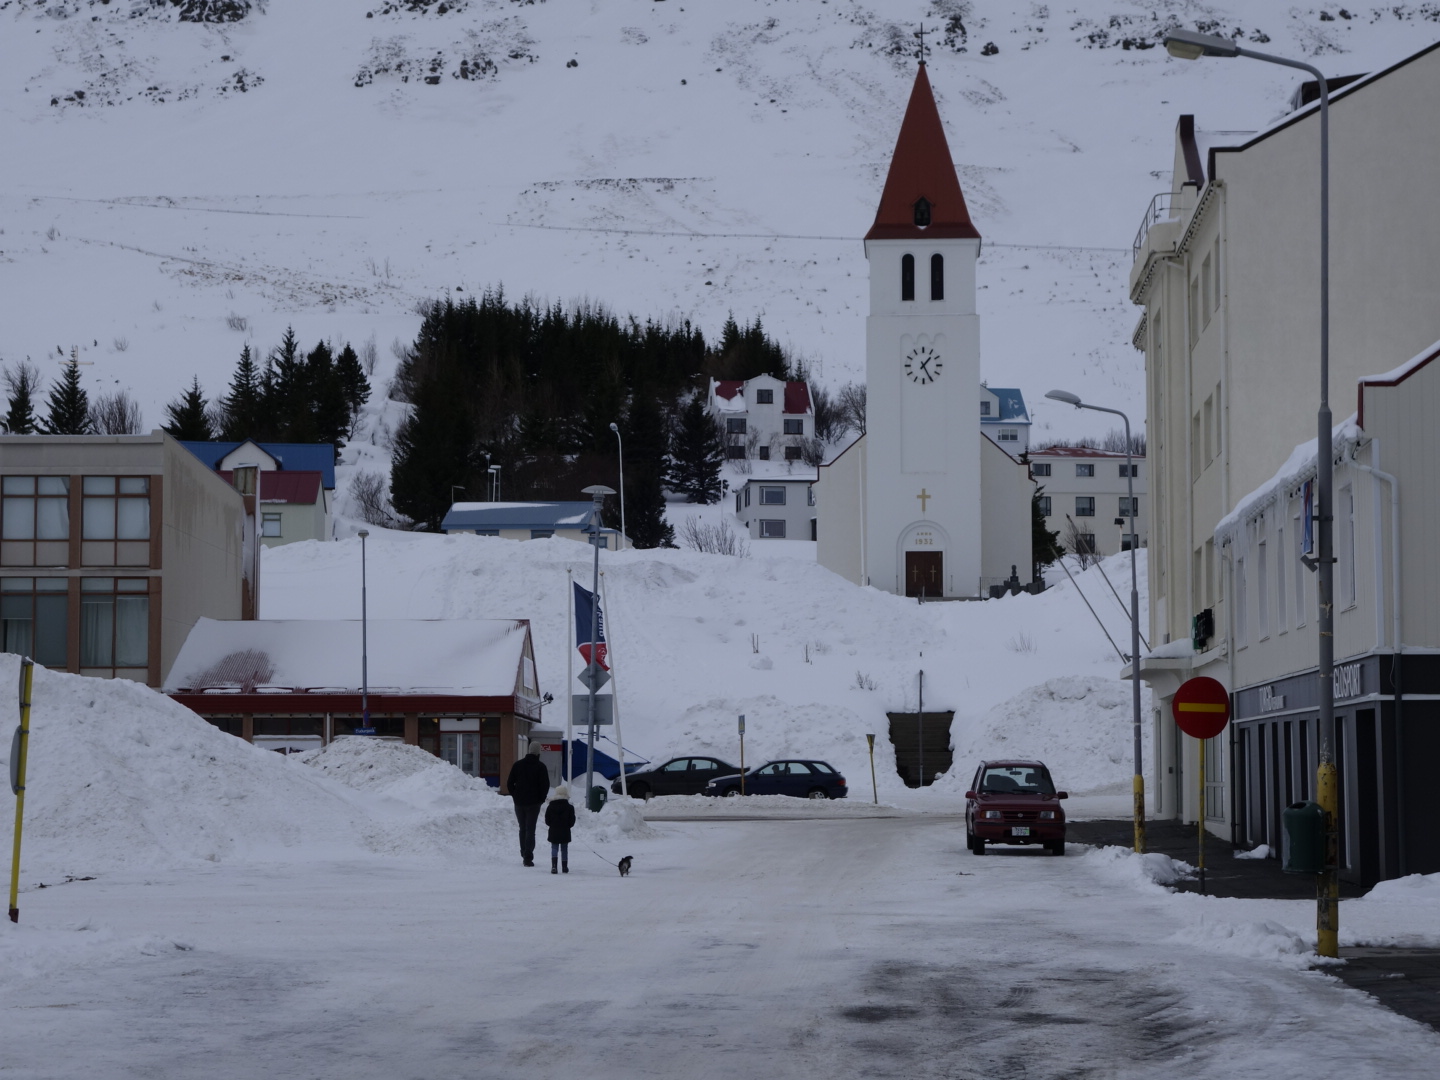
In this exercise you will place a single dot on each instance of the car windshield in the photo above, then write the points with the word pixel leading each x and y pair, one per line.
pixel 1016 780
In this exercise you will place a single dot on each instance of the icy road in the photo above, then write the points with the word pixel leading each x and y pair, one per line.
pixel 802 948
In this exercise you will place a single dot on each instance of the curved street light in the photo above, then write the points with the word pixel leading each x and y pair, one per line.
pixel 1189 45
pixel 1139 781
pixel 623 534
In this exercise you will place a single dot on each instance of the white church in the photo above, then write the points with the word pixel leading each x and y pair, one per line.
pixel 923 504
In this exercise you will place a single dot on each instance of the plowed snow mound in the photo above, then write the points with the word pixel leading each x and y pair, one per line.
pixel 1080 726
pixel 121 776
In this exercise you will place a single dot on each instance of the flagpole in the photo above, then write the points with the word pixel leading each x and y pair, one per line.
pixel 615 693
pixel 569 679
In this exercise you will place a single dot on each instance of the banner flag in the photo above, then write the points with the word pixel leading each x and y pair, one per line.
pixel 1307 544
pixel 584 598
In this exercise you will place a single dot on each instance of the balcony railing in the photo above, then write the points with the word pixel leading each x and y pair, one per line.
pixel 1159 210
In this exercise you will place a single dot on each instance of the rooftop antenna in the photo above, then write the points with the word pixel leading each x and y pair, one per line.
pixel 921 35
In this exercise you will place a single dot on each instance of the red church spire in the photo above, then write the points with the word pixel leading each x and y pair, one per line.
pixel 921 168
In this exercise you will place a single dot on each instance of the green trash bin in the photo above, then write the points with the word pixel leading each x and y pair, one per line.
pixel 597 798
pixel 1302 840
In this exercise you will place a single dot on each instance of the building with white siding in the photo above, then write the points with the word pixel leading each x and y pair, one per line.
pixel 1085 497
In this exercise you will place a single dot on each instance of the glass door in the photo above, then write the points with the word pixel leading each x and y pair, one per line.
pixel 462 749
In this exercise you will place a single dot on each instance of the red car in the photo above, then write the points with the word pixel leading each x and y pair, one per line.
pixel 1014 802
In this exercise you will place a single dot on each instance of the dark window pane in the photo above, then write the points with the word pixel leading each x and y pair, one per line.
pixel 50 618
pixel 937 277
pixel 907 277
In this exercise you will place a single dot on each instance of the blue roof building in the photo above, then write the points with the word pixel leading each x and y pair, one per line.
pixel 317 457
pixel 526 521
pixel 1005 419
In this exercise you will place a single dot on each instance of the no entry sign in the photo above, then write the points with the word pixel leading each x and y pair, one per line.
pixel 1201 707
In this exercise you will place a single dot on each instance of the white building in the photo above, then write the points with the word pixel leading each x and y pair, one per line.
pixel 923 505
pixel 762 419
pixel 777 505
pixel 528 521
pixel 1005 419
pixel 1227 269
pixel 296 480
pixel 1085 497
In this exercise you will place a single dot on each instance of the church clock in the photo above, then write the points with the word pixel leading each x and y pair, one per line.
pixel 923 364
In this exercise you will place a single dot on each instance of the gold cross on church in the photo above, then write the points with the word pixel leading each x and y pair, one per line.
pixel 924 497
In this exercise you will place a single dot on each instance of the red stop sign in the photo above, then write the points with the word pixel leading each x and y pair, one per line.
pixel 1201 707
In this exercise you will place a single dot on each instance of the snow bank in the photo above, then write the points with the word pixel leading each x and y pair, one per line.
pixel 773 806
pixel 28 951
pixel 1148 872
pixel 1264 940
pixel 120 776
pixel 1416 888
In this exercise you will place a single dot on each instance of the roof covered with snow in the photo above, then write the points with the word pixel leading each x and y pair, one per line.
pixel 517 515
pixel 466 657
pixel 1081 452
pixel 1302 465
pixel 1012 407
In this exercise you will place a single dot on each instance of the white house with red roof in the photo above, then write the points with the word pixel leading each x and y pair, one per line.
pixel 924 503
pixel 293 505
pixel 764 418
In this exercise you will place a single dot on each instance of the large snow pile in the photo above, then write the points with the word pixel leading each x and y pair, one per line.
pixel 812 662
pixel 120 776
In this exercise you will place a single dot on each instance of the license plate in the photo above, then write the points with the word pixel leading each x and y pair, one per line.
pixel 1020 830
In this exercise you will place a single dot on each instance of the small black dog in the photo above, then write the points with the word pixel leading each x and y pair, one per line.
pixel 624 865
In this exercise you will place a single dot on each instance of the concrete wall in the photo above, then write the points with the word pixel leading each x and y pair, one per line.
pixel 1006 488
pixel 839 498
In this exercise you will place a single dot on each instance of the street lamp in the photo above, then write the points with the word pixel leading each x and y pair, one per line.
pixel 1139 781
pixel 597 493
pixel 623 533
pixel 1188 45
pixel 364 642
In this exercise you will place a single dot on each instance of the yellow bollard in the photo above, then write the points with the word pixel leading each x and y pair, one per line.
pixel 1139 786
pixel 1327 882
pixel 19 755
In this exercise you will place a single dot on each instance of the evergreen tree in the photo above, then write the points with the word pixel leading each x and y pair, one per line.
pixel 696 455
pixel 243 406
pixel 434 448
pixel 22 381
pixel 1045 546
pixel 354 385
pixel 189 418
pixel 645 509
pixel 287 398
pixel 68 409
pixel 327 417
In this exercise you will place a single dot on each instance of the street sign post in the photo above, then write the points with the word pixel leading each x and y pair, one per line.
pixel 874 791
pixel 742 753
pixel 600 678
pixel 1201 708
pixel 19 754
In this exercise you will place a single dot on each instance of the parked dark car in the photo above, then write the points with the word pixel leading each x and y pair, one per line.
pixel 1014 802
pixel 803 779
pixel 678 776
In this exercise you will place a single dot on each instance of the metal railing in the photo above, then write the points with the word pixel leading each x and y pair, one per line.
pixel 1159 210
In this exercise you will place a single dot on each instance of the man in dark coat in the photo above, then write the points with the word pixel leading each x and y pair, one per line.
pixel 528 784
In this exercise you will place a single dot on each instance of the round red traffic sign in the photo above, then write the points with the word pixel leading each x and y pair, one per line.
pixel 1201 707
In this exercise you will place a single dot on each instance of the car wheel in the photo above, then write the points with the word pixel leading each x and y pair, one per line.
pixel 978 845
pixel 969 840
pixel 640 791
pixel 1056 847
pixel 731 793
pixel 818 793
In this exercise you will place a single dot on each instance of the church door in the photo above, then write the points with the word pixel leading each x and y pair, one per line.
pixel 924 573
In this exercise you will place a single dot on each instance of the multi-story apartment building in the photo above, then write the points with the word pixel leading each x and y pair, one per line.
pixel 111 547
pixel 1085 497
pixel 1227 268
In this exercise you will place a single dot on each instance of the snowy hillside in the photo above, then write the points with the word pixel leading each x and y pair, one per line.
pixel 171 190
pixel 812 661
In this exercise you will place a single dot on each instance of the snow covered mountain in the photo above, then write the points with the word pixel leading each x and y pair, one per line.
pixel 181 177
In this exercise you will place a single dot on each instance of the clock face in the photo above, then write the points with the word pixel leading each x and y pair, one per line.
pixel 923 364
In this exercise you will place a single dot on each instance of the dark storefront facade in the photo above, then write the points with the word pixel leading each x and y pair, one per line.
pixel 1386 750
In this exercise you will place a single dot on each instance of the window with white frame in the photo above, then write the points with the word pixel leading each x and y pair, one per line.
pixel 1241 630
pixel 1009 434
pixel 1085 470
pixel 772 529
pixel 1262 589
pixel 1039 468
pixel 772 496
pixel 1281 614
pixel 1298 542
pixel 1084 506
pixel 270 524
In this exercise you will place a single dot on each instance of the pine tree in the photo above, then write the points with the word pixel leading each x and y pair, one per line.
pixel 434 448
pixel 1045 546
pixel 645 509
pixel 287 395
pixel 696 454
pixel 22 381
pixel 327 417
pixel 68 411
pixel 354 384
pixel 189 418
pixel 242 406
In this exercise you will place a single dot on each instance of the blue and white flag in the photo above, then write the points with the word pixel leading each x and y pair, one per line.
pixel 584 598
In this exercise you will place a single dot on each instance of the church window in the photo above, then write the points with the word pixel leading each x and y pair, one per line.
pixel 922 212
pixel 937 276
pixel 764 397
pixel 907 277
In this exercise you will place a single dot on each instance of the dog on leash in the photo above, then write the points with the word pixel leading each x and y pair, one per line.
pixel 624 865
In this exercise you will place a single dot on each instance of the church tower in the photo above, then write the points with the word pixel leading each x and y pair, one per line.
pixel 921 503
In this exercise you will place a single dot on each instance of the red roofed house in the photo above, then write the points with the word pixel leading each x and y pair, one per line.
pixel 292 506
pixel 764 418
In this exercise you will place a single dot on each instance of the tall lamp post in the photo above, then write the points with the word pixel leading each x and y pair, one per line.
pixel 1189 45
pixel 364 640
pixel 597 493
pixel 1138 783
pixel 623 534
